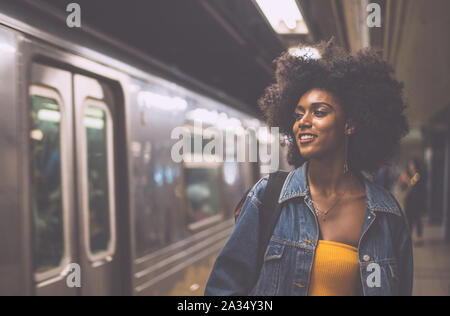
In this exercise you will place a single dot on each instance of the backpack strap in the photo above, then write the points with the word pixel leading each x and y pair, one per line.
pixel 238 208
pixel 269 213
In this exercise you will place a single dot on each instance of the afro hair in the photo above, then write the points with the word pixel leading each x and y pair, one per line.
pixel 365 87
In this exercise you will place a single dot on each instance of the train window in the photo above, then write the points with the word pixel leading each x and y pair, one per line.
pixel 202 194
pixel 99 202
pixel 50 252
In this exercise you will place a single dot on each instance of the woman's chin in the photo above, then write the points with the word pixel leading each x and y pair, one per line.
pixel 307 155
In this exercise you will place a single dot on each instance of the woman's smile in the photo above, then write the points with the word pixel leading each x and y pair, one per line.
pixel 305 139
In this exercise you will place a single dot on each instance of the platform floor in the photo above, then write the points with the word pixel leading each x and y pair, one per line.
pixel 432 264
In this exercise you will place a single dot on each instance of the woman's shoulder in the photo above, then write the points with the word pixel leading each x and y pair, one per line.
pixel 257 191
pixel 383 202
pixel 379 198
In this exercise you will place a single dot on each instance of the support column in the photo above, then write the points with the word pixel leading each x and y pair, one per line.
pixel 446 202
pixel 437 178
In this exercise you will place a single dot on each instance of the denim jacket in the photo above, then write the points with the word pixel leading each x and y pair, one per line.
pixel 385 248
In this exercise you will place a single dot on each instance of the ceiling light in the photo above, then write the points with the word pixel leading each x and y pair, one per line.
pixel 305 52
pixel 284 16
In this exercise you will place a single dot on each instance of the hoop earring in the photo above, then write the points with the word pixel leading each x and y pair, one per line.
pixel 346 168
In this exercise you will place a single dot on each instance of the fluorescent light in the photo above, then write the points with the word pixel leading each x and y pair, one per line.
pixel 49 116
pixel 51 106
pixel 305 52
pixel 166 103
pixel 93 123
pixel 204 116
pixel 284 16
pixel 94 112
pixel 219 120
pixel 37 134
pixel 94 118
pixel 7 48
pixel 230 173
pixel 252 123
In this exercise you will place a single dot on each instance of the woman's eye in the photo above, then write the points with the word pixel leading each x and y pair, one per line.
pixel 320 113
pixel 297 116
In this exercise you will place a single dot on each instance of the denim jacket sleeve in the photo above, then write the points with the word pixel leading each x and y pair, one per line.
pixel 233 273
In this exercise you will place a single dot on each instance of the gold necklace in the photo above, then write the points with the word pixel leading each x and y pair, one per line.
pixel 325 213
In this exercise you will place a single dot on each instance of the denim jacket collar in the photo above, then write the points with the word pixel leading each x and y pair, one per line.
pixel 296 185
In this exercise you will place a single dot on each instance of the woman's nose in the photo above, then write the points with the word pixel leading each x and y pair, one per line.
pixel 305 121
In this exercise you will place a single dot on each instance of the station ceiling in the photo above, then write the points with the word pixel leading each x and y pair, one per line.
pixel 225 44
pixel 228 44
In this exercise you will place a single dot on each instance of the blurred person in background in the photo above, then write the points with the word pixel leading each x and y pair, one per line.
pixel 412 181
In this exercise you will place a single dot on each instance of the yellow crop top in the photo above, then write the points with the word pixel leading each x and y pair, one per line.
pixel 335 271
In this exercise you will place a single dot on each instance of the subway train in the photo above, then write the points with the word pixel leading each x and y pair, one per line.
pixel 87 176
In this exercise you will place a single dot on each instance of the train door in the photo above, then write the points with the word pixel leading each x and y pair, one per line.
pixel 51 179
pixel 96 186
pixel 73 186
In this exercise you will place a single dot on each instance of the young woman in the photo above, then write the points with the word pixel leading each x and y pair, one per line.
pixel 338 233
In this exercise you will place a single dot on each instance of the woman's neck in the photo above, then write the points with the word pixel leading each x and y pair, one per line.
pixel 328 179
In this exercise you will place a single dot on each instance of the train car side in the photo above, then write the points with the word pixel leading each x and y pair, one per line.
pixel 135 221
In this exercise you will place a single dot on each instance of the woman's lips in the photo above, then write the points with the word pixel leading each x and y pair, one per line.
pixel 306 140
